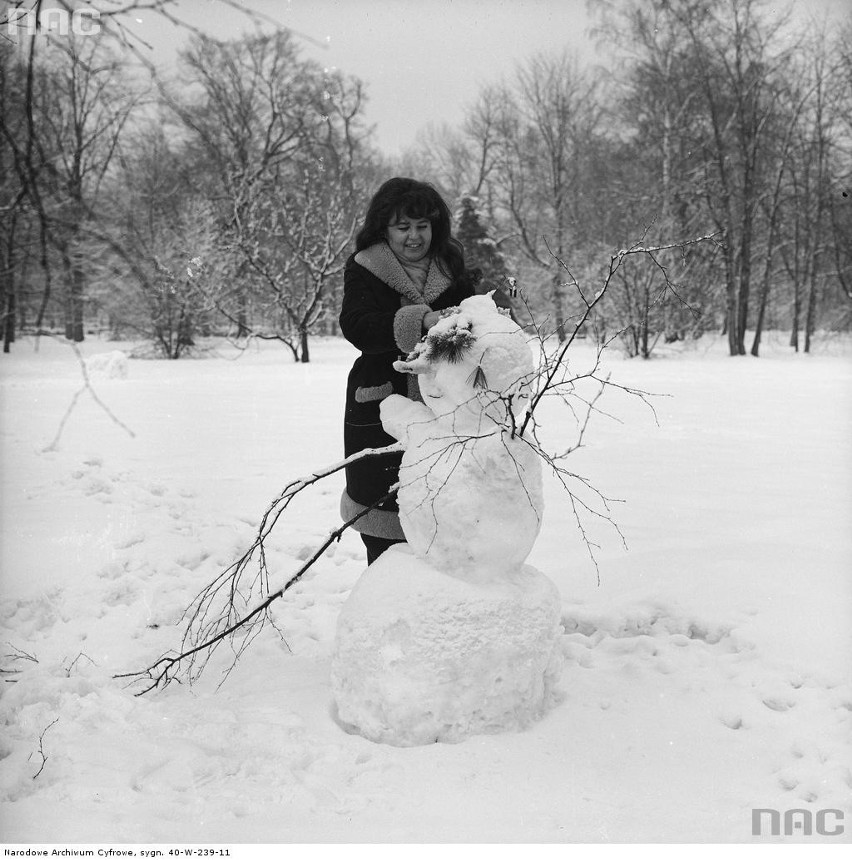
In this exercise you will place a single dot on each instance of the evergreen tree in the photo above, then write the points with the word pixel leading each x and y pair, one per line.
pixel 481 252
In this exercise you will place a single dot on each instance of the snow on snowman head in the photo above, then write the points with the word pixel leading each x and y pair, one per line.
pixel 474 364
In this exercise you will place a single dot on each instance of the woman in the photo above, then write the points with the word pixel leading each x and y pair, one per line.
pixel 406 269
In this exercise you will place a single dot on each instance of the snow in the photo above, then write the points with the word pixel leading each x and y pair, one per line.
pixel 422 656
pixel 113 365
pixel 706 674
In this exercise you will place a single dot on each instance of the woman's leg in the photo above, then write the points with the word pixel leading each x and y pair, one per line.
pixel 376 546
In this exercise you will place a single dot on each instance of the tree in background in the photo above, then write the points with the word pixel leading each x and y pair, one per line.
pixel 76 102
pixel 527 150
pixel 482 252
pixel 816 168
pixel 261 136
pixel 13 208
pixel 840 197
pixel 285 149
pixel 157 268
pixel 547 133
pixel 719 118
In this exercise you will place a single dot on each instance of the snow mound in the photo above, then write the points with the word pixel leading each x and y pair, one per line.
pixel 421 656
pixel 112 365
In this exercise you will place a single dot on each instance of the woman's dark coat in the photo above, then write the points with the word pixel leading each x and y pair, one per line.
pixel 382 316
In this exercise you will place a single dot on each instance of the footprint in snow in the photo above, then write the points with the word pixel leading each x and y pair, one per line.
pixel 779 704
pixel 97 485
pixel 112 570
pixel 129 540
pixel 194 560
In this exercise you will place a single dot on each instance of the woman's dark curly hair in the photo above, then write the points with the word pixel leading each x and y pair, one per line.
pixel 401 197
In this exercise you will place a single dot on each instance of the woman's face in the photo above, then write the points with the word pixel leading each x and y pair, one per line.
pixel 410 238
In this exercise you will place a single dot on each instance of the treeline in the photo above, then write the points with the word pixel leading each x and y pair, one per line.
pixel 225 200
pixel 222 200
pixel 722 117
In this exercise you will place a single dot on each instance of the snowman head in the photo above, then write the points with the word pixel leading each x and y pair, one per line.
pixel 474 363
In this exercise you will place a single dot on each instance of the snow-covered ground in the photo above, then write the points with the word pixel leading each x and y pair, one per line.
pixel 707 672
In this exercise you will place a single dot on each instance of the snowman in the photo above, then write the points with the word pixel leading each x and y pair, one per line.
pixel 451 634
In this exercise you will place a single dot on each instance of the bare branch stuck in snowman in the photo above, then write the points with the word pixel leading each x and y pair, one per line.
pixel 482 390
pixel 223 611
pixel 555 363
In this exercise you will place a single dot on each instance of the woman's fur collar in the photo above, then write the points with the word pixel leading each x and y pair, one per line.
pixel 381 261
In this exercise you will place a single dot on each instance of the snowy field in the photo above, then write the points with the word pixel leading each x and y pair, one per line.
pixel 706 674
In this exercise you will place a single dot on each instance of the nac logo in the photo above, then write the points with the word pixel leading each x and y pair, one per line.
pixel 796 822
pixel 24 22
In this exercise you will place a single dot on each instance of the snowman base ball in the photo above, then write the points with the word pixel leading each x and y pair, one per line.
pixel 421 656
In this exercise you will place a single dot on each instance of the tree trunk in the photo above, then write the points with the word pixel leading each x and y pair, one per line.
pixel 766 281
pixel 183 337
pixel 7 286
pixel 558 299
pixel 7 291
pixel 761 314
pixel 794 331
pixel 810 314
pixel 242 314
pixel 9 317
pixel 74 285
pixel 823 183
pixel 730 325
pixel 765 284
pixel 743 292
pixel 304 353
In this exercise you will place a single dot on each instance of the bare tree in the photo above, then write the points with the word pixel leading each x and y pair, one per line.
pixel 300 241
pixel 76 102
pixel 534 138
pixel 841 196
pixel 12 191
pixel 810 259
pixel 738 65
pixel 285 141
pixel 65 106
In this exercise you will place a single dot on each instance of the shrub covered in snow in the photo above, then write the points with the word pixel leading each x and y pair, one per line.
pixel 112 365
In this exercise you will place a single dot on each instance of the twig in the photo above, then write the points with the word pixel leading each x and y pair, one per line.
pixel 17 655
pixel 229 579
pixel 76 660
pixel 615 263
pixel 20 654
pixel 203 636
pixel 41 748
pixel 87 386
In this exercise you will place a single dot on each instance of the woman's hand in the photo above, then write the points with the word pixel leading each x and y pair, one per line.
pixel 430 319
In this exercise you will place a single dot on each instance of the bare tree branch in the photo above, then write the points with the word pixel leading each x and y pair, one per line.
pixel 87 386
pixel 615 263
pixel 41 751
pixel 204 632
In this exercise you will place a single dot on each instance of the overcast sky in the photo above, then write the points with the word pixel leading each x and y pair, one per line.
pixel 422 60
